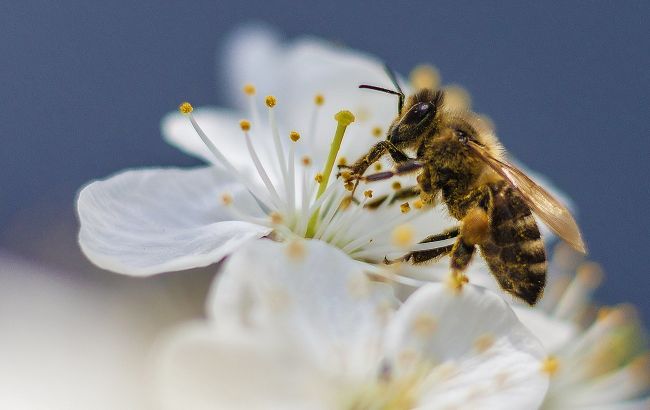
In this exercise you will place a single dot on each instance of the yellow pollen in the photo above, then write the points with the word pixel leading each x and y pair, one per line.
pixel 396 186
pixel 319 178
pixel 484 342
pixel 457 280
pixel 403 236
pixel 245 125
pixel 226 198
pixel 319 99
pixel 425 76
pixel 405 207
pixel 376 131
pixel 249 89
pixel 276 218
pixel 378 166
pixel 550 365
pixel 346 175
pixel 296 250
pixel 424 325
pixel 590 273
pixel 418 204
pixel 294 135
pixel 345 203
pixel 185 108
pixel 344 117
pixel 270 101
pixel 306 161
pixel 368 193
pixel 343 161
pixel 349 186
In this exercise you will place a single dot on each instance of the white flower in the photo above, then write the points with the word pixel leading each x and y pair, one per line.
pixel 299 325
pixel 142 222
pixel 599 357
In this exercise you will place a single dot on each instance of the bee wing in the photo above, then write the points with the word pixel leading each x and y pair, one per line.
pixel 550 210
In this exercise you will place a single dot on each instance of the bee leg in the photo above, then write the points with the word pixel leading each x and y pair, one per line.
pixel 402 194
pixel 473 231
pixel 375 153
pixel 401 169
pixel 418 257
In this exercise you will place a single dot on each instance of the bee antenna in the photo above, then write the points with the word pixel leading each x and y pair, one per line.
pixel 393 79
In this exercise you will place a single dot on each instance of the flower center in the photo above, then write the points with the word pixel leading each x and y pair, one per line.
pixel 301 199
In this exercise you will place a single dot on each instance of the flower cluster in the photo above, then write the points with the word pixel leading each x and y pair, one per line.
pixel 303 313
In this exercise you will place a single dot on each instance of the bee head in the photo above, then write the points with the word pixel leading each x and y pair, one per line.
pixel 417 117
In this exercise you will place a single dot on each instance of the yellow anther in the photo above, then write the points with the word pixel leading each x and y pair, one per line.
pixel 346 175
pixel 378 166
pixel 345 203
pixel 425 76
pixel 418 204
pixel 245 125
pixel 403 236
pixel 319 178
pixel 185 108
pixel 484 342
pixel 226 199
pixel 550 365
pixel 343 161
pixel 294 136
pixel 368 193
pixel 457 280
pixel 276 218
pixel 344 117
pixel 306 161
pixel 405 207
pixel 319 99
pixel 376 131
pixel 349 186
pixel 249 89
pixel 396 186
pixel 296 250
pixel 270 101
pixel 590 273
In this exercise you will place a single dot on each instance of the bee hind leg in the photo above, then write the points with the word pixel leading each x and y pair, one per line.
pixel 402 194
pixel 419 257
pixel 474 230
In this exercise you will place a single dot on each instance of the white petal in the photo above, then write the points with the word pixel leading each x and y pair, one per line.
pixel 553 333
pixel 483 357
pixel 311 292
pixel 156 220
pixel 198 368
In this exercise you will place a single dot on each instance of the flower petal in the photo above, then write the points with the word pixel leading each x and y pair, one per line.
pixel 156 220
pixel 481 355
pixel 200 368
pixel 310 291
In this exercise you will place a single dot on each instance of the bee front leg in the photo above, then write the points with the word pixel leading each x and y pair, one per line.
pixel 375 153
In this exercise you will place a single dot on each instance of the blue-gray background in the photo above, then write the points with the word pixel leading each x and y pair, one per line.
pixel 85 84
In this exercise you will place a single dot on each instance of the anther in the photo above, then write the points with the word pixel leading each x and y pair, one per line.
pixel 270 101
pixel 368 193
pixel 226 199
pixel 245 125
pixel 249 89
pixel 296 250
pixel 405 207
pixel 346 175
pixel 349 186
pixel 319 99
pixel 276 218
pixel 376 132
pixel 418 204
pixel 306 161
pixel 319 178
pixel 343 161
pixel 425 76
pixel 403 236
pixel 185 108
pixel 396 186
pixel 294 135
pixel 378 166
pixel 344 118
pixel 550 365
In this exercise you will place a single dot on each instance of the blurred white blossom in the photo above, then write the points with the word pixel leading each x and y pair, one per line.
pixel 299 325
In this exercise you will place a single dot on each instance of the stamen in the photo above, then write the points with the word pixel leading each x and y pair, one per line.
pixel 403 236
pixel 296 250
pixel 376 132
pixel 343 161
pixel 263 200
pixel 405 208
pixel 291 167
pixel 344 118
pixel 306 161
pixel 368 193
pixel 276 218
pixel 249 89
pixel 577 295
pixel 418 204
pixel 271 101
pixel 319 99
pixel 396 186
pixel 226 199
pixel 245 126
pixel 378 166
pixel 550 365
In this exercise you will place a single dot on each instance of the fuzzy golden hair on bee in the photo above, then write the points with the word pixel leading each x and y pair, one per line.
pixel 483 132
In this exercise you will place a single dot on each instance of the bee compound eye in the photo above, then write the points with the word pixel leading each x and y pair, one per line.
pixel 418 112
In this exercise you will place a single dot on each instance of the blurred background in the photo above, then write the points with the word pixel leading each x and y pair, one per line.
pixel 85 84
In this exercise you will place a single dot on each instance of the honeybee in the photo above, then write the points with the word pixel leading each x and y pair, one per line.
pixel 459 160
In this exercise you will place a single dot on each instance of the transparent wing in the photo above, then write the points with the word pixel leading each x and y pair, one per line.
pixel 544 205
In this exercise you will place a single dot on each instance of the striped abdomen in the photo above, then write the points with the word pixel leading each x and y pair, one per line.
pixel 514 251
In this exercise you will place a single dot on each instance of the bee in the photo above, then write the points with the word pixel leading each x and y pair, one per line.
pixel 460 160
